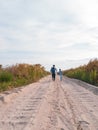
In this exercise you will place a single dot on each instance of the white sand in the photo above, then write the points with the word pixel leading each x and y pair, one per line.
pixel 49 105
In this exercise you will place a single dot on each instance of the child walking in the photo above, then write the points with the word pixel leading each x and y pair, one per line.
pixel 60 74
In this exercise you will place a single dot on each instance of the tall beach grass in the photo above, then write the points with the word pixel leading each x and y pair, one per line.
pixel 87 73
pixel 20 74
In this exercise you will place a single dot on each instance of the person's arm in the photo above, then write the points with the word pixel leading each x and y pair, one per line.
pixel 55 70
pixel 51 70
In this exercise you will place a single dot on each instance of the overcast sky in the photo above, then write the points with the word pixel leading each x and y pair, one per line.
pixel 60 32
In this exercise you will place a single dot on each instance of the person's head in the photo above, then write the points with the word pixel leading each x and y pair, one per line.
pixel 59 69
pixel 53 65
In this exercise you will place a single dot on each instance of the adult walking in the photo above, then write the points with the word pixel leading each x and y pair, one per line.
pixel 53 72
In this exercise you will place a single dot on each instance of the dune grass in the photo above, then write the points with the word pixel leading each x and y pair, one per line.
pixel 87 73
pixel 19 75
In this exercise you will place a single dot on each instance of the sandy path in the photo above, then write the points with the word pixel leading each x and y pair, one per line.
pixel 48 105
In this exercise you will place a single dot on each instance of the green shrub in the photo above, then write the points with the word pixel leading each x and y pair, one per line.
pixel 5 76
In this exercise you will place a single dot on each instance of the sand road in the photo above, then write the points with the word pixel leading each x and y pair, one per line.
pixel 49 105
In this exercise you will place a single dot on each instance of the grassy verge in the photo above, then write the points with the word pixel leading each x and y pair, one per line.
pixel 19 75
pixel 87 73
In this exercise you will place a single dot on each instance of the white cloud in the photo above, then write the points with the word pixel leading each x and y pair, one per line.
pixel 49 31
pixel 3 44
pixel 85 11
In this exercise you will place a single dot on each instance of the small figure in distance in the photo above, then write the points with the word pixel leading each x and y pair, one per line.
pixel 60 74
pixel 53 72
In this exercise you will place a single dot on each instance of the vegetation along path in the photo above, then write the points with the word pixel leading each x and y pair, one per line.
pixel 50 105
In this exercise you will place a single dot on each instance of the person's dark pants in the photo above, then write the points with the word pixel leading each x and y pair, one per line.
pixel 53 76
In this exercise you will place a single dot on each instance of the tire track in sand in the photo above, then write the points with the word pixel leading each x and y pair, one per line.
pixel 17 114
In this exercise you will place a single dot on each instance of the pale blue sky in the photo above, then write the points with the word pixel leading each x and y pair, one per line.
pixel 60 32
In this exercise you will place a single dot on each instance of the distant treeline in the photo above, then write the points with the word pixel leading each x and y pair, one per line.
pixel 20 74
pixel 87 73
